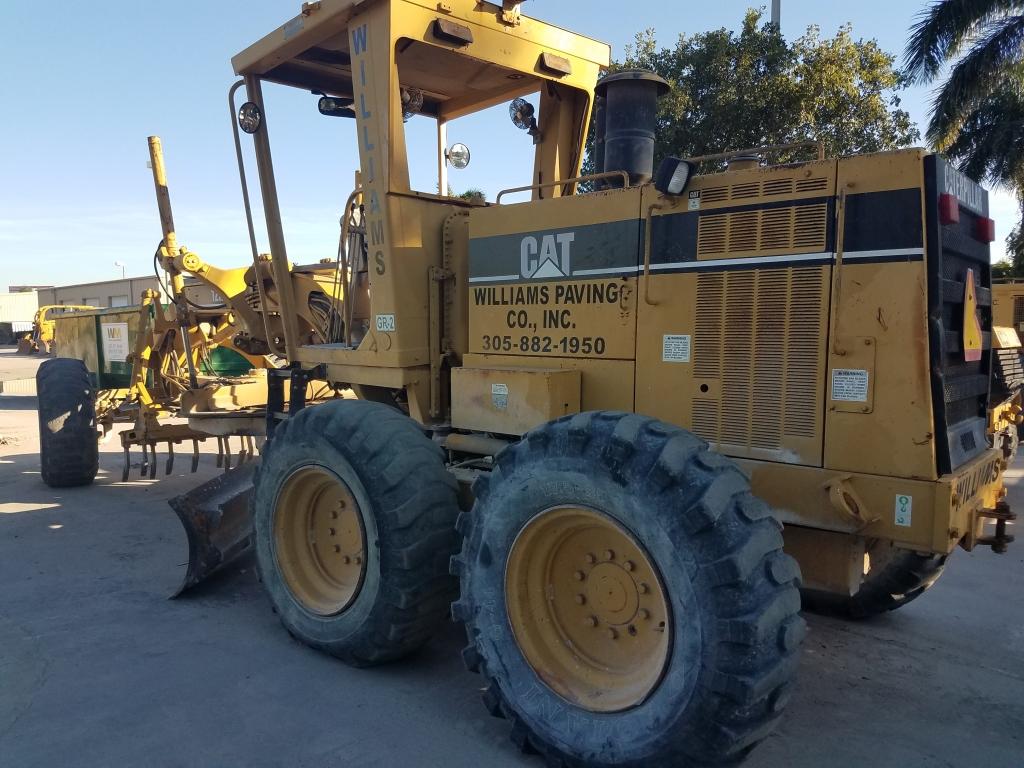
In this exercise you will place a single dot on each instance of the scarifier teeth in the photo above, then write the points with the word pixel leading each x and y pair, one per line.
pixel 471 658
pixel 456 565
pixel 460 611
pixel 492 701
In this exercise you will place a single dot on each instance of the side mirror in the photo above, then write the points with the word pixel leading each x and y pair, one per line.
pixel 673 176
pixel 458 156
pixel 331 106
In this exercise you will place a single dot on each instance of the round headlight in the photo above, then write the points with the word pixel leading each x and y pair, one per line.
pixel 249 117
pixel 458 156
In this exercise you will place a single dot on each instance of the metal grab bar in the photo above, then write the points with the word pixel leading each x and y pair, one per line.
pixel 593 177
pixel 820 145
pixel 248 209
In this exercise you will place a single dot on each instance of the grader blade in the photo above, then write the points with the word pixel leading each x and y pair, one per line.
pixel 217 522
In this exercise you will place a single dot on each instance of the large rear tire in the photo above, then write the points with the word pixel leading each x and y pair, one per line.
pixel 68 439
pixel 893 578
pixel 354 517
pixel 626 597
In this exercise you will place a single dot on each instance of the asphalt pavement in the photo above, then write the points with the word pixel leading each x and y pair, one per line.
pixel 99 668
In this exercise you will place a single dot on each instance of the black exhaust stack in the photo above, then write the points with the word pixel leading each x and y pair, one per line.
pixel 626 117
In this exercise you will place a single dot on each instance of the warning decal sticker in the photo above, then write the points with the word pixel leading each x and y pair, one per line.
pixel 499 396
pixel 850 385
pixel 675 349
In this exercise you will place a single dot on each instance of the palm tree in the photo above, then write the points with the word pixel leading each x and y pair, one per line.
pixel 978 113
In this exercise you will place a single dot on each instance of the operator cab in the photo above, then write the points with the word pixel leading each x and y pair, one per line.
pixel 405 70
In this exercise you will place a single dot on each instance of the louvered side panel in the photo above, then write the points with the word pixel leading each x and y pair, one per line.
pixel 707 349
pixel 810 228
pixel 769 358
pixel 713 235
pixel 804 352
pixel 737 358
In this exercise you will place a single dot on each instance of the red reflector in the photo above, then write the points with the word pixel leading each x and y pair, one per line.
pixel 984 230
pixel 949 209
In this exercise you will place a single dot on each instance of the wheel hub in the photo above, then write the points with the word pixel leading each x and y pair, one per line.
pixel 588 609
pixel 613 594
pixel 319 541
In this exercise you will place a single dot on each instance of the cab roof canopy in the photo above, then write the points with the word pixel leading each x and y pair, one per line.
pixel 463 55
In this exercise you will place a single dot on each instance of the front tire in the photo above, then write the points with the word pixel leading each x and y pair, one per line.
pixel 68 439
pixel 354 517
pixel 685 537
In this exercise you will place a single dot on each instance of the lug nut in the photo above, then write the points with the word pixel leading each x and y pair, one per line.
pixel 346 559
pixel 591 621
pixel 580 575
pixel 333 531
pixel 644 589
pixel 590 559
pixel 581 600
pixel 644 614
pixel 609 554
pixel 612 634
pixel 337 548
pixel 630 565
pixel 334 514
pixel 359 560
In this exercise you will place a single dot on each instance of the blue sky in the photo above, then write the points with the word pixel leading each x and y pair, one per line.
pixel 86 83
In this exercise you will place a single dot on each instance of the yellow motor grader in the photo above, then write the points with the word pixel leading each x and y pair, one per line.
pixel 181 373
pixel 618 425
pixel 40 339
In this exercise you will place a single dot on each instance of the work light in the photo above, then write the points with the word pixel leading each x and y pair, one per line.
pixel 673 176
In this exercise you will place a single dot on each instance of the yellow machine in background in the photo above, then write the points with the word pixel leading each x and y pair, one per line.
pixel 1008 303
pixel 181 373
pixel 43 324
pixel 607 414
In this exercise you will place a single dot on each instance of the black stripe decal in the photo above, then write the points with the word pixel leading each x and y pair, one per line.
pixel 884 221
pixel 782 263
pixel 674 236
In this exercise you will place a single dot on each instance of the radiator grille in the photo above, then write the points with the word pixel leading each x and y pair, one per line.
pixel 796 229
pixel 759 337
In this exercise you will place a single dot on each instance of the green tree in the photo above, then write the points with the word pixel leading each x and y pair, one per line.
pixel 473 195
pixel 752 88
pixel 1002 268
pixel 1015 250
